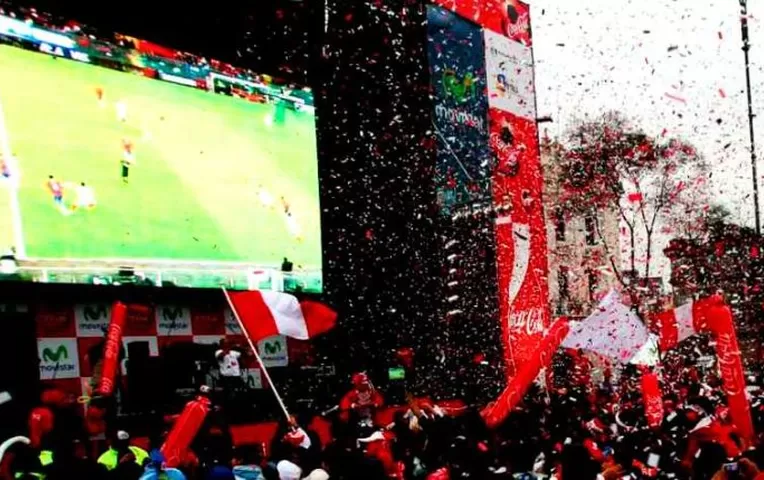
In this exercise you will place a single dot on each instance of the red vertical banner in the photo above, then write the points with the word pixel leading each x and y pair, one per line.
pixel 731 371
pixel 521 245
pixel 517 183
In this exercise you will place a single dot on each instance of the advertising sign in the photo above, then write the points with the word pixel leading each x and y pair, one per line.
pixel 509 68
pixel 273 351
pixel 92 319
pixel 457 76
pixel 510 18
pixel 58 358
pixel 55 321
pixel 521 245
pixel 173 320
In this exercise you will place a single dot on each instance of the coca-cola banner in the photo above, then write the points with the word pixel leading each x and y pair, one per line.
pixel 521 247
pixel 69 336
pixel 460 117
pixel 722 327
pixel 510 18
pixel 509 69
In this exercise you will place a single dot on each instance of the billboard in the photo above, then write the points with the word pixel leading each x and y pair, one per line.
pixel 521 244
pixel 503 57
pixel 510 18
pixel 457 76
pixel 198 183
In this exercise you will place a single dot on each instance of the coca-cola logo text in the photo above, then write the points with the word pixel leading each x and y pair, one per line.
pixel 518 28
pixel 729 364
pixel 530 321
pixel 113 336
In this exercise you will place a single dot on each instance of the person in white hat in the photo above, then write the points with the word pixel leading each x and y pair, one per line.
pixel 288 470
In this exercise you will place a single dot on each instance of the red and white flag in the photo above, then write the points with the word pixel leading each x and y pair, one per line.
pixel 679 324
pixel 613 331
pixel 264 314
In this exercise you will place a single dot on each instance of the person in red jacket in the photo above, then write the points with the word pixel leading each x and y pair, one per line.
pixel 363 399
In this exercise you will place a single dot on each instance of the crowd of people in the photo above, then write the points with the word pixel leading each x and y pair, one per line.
pixel 579 429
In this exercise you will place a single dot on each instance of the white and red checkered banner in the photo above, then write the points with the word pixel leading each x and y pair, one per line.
pixel 65 335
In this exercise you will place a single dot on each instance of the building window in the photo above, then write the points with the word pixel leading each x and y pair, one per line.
pixel 559 225
pixel 590 228
pixel 562 284
pixel 593 280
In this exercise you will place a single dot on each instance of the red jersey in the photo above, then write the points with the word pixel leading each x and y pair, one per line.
pixel 54 186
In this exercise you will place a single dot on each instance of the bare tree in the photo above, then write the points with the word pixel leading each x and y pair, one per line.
pixel 651 182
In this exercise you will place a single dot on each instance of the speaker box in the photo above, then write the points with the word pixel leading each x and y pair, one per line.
pixel 142 371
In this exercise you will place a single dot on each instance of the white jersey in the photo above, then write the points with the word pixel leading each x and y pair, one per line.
pixel 85 196
pixel 293 226
pixel 265 198
pixel 229 363
pixel 121 111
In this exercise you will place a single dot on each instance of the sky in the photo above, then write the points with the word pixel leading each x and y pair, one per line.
pixel 598 55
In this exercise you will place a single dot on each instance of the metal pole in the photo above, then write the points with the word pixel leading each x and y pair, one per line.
pixel 746 49
pixel 257 355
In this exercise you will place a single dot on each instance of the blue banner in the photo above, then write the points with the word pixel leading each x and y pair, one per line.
pixel 458 79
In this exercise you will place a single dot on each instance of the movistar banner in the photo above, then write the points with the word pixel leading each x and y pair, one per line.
pixel 457 76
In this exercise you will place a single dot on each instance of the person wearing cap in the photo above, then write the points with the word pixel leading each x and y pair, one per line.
pixel 156 469
pixel 363 399
pixel 121 451
pixel 288 470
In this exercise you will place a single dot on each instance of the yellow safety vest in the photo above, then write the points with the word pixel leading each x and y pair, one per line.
pixel 109 458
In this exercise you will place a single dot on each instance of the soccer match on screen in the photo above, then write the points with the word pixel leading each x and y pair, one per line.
pixel 121 154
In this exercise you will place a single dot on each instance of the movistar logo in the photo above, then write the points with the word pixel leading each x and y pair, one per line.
pixel 172 314
pixel 48 355
pixel 460 89
pixel 272 348
pixel 94 312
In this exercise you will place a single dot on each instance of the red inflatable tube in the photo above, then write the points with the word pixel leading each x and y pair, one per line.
pixel 652 399
pixel 111 348
pixel 496 412
pixel 731 370
pixel 184 430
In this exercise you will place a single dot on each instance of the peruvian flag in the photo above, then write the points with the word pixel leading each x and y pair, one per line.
pixel 679 324
pixel 264 314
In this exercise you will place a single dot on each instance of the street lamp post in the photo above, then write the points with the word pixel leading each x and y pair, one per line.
pixel 746 49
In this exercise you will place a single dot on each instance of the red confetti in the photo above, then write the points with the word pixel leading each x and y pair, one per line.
pixel 349 17
pixel 675 97
pixel 721 37
pixel 722 93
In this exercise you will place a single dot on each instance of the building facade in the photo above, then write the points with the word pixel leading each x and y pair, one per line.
pixel 582 248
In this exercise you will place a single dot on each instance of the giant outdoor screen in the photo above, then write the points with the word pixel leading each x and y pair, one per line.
pixel 123 160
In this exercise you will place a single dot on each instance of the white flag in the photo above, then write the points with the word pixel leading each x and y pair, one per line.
pixel 613 331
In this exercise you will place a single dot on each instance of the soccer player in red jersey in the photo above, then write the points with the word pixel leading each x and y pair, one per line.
pixel 57 190
pixel 99 96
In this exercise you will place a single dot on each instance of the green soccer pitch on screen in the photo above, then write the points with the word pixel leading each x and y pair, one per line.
pixel 209 183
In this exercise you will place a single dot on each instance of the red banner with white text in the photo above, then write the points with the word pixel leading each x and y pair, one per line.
pixel 517 183
pixel 510 18
pixel 521 245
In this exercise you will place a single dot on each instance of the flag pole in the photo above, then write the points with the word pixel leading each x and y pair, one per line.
pixel 257 355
